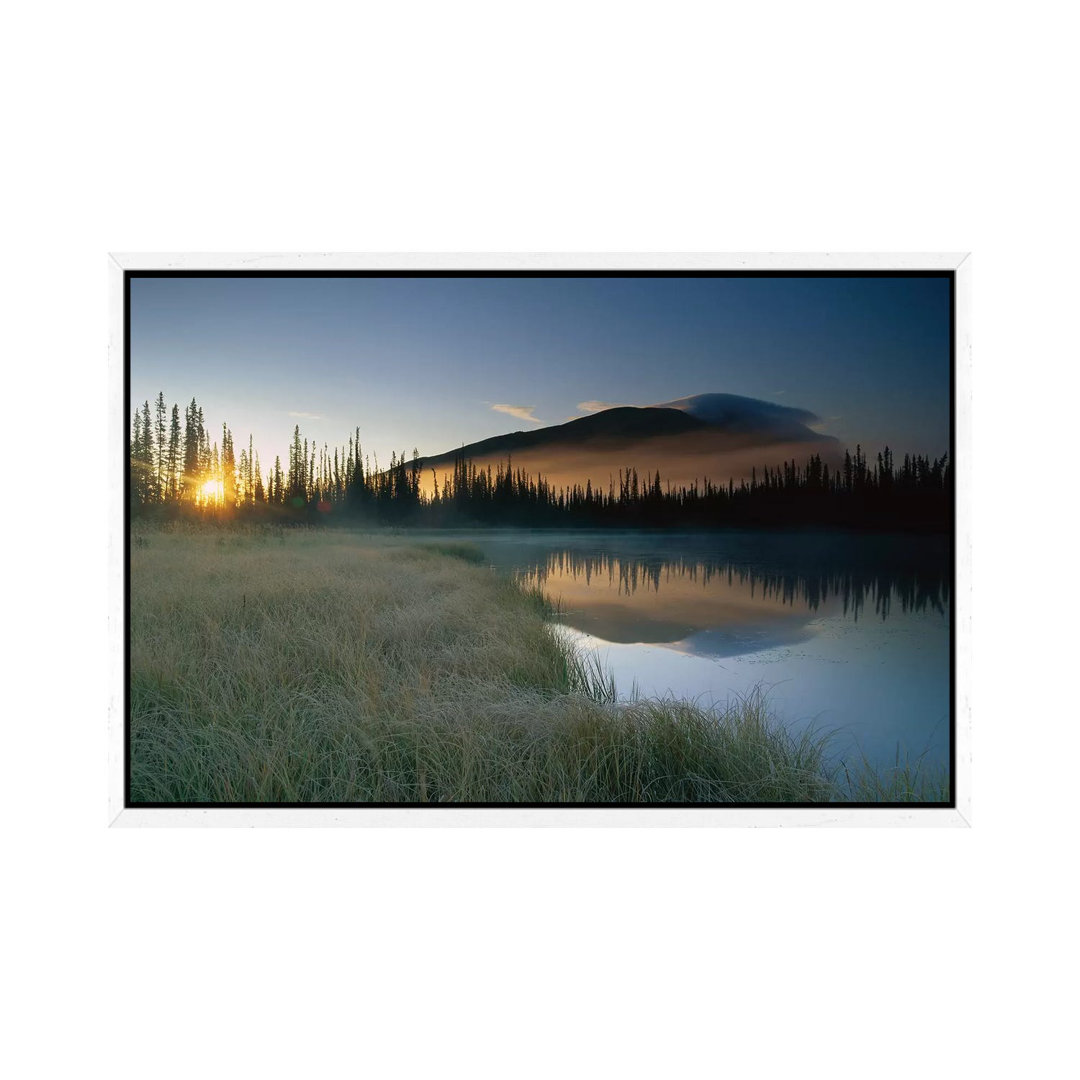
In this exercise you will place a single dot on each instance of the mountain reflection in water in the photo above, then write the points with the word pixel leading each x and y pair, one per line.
pixel 846 633
pixel 730 594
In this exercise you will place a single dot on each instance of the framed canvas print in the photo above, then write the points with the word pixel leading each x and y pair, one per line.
pixel 540 540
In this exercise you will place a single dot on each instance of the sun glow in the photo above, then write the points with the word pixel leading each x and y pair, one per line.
pixel 212 491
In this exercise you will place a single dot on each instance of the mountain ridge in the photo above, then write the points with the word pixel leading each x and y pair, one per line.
pixel 720 435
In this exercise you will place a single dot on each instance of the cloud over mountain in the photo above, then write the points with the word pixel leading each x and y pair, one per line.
pixel 737 413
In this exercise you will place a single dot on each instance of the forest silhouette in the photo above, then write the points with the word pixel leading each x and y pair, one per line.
pixel 857 578
pixel 176 471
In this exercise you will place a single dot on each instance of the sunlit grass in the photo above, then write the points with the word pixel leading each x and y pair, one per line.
pixel 316 666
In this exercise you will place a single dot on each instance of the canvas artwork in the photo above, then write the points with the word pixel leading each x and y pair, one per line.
pixel 539 538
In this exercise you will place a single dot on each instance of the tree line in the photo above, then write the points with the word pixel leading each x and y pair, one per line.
pixel 177 469
pixel 902 572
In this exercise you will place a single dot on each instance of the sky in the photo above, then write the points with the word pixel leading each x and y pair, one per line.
pixel 435 363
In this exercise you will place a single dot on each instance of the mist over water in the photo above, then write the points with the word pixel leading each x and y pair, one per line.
pixel 845 632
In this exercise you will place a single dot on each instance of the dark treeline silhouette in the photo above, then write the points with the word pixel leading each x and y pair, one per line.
pixel 177 469
pixel 861 580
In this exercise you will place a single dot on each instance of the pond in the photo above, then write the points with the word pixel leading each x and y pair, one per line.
pixel 848 633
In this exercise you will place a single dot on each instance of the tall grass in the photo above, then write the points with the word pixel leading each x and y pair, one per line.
pixel 905 781
pixel 312 666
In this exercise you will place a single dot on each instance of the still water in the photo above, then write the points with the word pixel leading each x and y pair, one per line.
pixel 846 633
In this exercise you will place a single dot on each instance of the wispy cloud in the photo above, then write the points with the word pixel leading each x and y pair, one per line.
pixel 522 412
pixel 597 406
pixel 306 416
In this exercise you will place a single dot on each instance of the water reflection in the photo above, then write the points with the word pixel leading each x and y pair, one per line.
pixel 846 633
pixel 915 588
pixel 729 595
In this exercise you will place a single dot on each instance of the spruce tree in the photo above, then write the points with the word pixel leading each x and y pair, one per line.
pixel 228 467
pixel 134 456
pixel 160 448
pixel 146 457
pixel 191 453
pixel 173 459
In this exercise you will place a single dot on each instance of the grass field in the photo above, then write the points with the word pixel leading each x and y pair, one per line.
pixel 294 665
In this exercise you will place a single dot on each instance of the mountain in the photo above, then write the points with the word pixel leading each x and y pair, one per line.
pixel 719 436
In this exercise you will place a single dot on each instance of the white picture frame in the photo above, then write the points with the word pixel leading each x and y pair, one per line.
pixel 958 815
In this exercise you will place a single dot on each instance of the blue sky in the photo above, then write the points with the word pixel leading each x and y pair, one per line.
pixel 425 362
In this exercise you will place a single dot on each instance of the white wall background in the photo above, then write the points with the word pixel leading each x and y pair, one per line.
pixel 538 127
